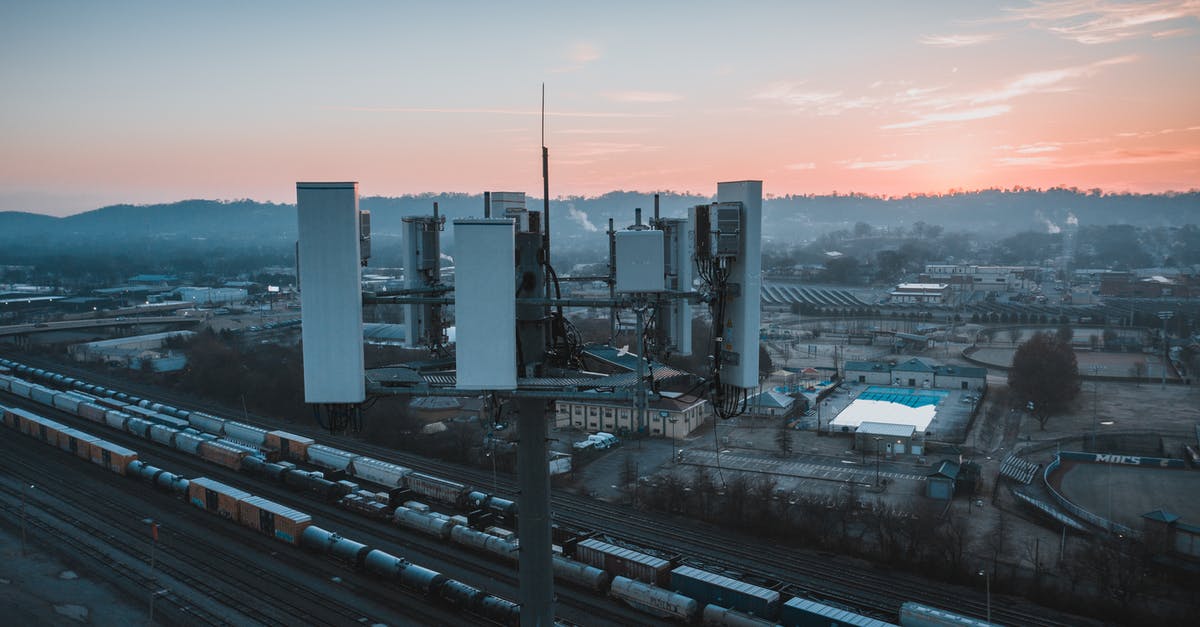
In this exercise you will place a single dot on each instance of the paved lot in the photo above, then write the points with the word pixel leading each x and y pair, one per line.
pixel 1123 493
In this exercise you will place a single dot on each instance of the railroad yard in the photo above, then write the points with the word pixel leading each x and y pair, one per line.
pixel 326 588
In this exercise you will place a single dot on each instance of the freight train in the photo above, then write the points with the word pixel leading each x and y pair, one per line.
pixel 659 587
pixel 267 517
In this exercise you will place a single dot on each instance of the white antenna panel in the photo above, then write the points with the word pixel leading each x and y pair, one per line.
pixel 485 304
pixel 640 261
pixel 330 292
pixel 740 349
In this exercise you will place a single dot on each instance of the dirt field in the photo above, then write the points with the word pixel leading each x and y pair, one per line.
pixel 1118 365
pixel 1123 493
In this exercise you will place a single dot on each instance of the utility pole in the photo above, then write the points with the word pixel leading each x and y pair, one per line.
pixel 1095 369
pixel 1164 316
pixel 153 546
pixel 31 486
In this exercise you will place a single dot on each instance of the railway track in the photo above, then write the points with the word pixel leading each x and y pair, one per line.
pixel 810 573
pixel 574 604
pixel 190 554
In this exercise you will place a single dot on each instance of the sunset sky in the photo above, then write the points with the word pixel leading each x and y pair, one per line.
pixel 141 102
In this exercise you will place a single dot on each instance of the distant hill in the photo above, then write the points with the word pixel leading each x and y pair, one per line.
pixel 578 221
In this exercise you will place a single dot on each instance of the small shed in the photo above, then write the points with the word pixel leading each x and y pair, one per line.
pixel 941 481
pixel 887 439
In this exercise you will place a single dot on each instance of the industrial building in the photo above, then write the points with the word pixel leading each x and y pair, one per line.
pixel 916 372
pixel 921 293
pixel 134 352
pixel 672 416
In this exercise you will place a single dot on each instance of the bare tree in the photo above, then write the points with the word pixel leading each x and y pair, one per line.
pixel 783 439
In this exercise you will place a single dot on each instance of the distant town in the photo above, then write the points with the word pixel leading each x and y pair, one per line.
pixel 905 414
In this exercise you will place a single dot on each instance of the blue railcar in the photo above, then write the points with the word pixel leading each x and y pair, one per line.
pixel 711 588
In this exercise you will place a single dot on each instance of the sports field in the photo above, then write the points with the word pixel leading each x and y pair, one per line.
pixel 1130 491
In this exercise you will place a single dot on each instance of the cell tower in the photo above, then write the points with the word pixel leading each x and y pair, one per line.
pixel 504 281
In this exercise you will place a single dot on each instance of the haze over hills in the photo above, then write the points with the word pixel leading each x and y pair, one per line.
pixel 992 213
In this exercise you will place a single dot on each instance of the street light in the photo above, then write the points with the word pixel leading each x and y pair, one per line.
pixel 1095 369
pixel 987 582
pixel 31 486
pixel 876 460
pixel 153 546
pixel 673 421
pixel 1164 316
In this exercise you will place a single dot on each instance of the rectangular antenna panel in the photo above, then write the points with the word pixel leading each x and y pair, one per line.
pixel 430 249
pixel 740 327
pixel 485 304
pixel 414 315
pixel 640 261
pixel 364 235
pixel 331 295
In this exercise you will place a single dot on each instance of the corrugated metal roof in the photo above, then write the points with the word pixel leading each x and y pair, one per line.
pixel 217 486
pixel 770 596
pixel 277 509
pixel 886 429
pixel 623 553
pixel 843 617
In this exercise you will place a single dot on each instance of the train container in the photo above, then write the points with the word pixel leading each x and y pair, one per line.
pixel 325 489
pixel 365 506
pixel 216 497
pixel 112 403
pixel 329 457
pixel 417 506
pixel 206 423
pixel 43 395
pixel 654 600
pixel 486 542
pixel 188 442
pixel 111 456
pixel 425 523
pixel 380 472
pixel 289 445
pixel 580 574
pixel 116 419
pixel 436 488
pixel 163 434
pixel 500 610
pixel 66 401
pixel 421 579
pixel 501 507
pixel 169 421
pixel 14 419
pixel 77 442
pixel 221 453
pixel 501 532
pixel 384 564
pixel 717 616
pixel 20 387
pixel 39 427
pixel 159 478
pixel 798 612
pixel 271 518
pixel 460 595
pixel 720 590
pixel 334 545
pixel 246 434
pixel 140 412
pixel 92 411
pixel 5 382
pixel 138 427
pixel 617 560
pixel 918 615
